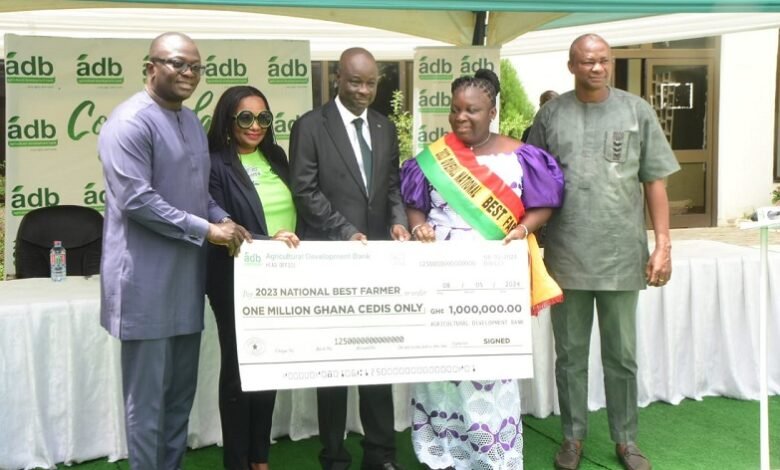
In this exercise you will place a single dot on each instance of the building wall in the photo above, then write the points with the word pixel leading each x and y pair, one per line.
pixel 542 72
pixel 746 129
pixel 746 120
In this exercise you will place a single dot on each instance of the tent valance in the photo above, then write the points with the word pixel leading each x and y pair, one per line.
pixel 564 6
pixel 449 21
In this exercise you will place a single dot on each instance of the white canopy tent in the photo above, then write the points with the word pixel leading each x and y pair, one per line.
pixel 329 38
pixel 450 21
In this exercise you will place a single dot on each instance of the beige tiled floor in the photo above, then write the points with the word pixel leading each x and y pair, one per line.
pixel 731 235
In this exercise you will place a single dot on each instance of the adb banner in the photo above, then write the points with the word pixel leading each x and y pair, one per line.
pixel 434 70
pixel 60 91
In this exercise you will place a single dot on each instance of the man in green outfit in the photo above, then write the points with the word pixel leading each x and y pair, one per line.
pixel 610 147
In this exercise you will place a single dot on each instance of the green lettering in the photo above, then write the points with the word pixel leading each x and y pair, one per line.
pixel 74 116
pixel 82 69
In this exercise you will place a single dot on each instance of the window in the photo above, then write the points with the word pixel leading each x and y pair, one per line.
pixel 393 75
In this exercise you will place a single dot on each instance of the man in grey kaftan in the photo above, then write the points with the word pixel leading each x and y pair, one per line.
pixel 610 147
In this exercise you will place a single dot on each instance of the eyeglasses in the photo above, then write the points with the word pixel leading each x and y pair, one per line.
pixel 245 119
pixel 179 65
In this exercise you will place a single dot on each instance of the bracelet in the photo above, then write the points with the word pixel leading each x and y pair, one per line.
pixel 414 229
pixel 524 228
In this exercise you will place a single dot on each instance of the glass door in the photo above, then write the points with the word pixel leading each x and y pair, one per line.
pixel 682 93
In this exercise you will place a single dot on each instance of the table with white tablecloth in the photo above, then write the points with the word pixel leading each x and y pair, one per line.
pixel 60 379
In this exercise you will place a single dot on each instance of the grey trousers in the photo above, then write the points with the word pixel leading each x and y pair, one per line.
pixel 158 381
pixel 572 322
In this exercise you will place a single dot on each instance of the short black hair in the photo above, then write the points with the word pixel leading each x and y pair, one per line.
pixel 547 96
pixel 582 37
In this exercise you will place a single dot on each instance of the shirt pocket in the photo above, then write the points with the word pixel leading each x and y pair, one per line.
pixel 617 145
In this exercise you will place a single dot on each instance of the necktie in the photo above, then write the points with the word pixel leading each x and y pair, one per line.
pixel 365 151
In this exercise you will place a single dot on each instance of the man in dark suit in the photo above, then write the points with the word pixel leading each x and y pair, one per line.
pixel 344 174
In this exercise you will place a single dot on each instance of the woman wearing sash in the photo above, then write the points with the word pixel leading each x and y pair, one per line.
pixel 477 424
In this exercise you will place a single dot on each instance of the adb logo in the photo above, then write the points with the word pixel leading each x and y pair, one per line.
pixel 469 65
pixel 292 72
pixel 425 136
pixel 283 126
pixel 23 202
pixel 37 133
pixel 94 198
pixel 437 103
pixel 438 69
pixel 252 259
pixel 229 72
pixel 143 68
pixel 103 71
pixel 32 70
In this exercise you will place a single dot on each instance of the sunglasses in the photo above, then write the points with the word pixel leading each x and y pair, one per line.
pixel 179 65
pixel 245 119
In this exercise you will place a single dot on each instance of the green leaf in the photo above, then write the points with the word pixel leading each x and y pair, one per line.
pixel 13 119
pixel 211 58
pixel 517 111
pixel 17 189
pixel 10 55
pixel 82 57
pixel 402 119
pixel 89 186
pixel 273 59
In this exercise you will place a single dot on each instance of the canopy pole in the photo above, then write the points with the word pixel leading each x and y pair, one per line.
pixel 763 312
pixel 763 334
pixel 480 28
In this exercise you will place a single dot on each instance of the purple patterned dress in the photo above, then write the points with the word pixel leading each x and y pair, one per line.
pixel 475 425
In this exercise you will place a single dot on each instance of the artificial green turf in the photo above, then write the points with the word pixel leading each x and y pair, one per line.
pixel 714 434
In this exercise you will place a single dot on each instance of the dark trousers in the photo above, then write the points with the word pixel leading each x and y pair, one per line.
pixel 246 417
pixel 572 322
pixel 158 380
pixel 376 415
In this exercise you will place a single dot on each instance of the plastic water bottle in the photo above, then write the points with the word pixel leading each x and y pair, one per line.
pixel 58 262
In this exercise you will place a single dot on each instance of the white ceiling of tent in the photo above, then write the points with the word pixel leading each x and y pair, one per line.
pixel 328 39
pixel 644 30
pixel 451 26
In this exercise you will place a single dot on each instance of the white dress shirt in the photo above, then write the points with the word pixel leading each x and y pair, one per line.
pixel 348 117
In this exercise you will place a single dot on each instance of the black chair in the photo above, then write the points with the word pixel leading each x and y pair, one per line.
pixel 79 228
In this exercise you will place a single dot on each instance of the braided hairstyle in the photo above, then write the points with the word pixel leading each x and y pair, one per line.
pixel 484 79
